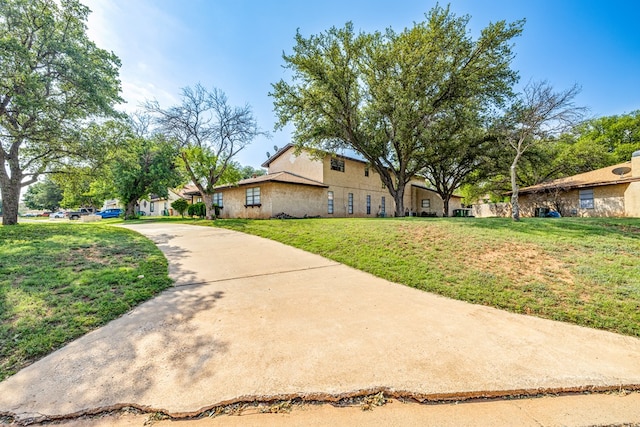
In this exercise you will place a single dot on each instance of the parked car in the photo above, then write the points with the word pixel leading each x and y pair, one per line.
pixel 58 214
pixel 80 212
pixel 110 213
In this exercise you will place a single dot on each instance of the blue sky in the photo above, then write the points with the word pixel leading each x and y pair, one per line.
pixel 237 46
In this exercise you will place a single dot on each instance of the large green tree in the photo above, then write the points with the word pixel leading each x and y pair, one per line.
pixel 51 78
pixel 88 180
pixel 45 195
pixel 210 134
pixel 384 94
pixel 148 166
pixel 618 135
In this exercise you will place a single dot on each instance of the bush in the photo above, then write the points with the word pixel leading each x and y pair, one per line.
pixel 197 209
pixel 180 205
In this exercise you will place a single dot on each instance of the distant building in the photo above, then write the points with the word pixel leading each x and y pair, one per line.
pixel 613 191
pixel 300 185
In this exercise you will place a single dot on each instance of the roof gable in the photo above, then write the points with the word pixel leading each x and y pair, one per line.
pixel 616 174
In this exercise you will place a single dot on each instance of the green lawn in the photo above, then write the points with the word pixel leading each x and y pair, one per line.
pixel 584 271
pixel 61 280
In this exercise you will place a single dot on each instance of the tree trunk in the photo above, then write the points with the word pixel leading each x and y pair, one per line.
pixel 398 197
pixel 515 207
pixel 130 210
pixel 10 194
pixel 10 202
pixel 208 204
pixel 445 210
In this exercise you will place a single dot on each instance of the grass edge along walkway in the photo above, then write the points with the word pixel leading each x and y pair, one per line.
pixel 577 270
pixel 60 281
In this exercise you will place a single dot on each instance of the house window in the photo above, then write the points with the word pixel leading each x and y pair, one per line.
pixel 337 165
pixel 382 207
pixel 366 170
pixel 586 199
pixel 144 203
pixel 426 203
pixel 330 202
pixel 253 197
pixel 368 204
pixel 199 200
pixel 350 205
pixel 217 199
pixel 151 206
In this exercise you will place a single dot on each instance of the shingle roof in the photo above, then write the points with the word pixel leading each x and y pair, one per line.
pixel 616 174
pixel 284 177
pixel 423 187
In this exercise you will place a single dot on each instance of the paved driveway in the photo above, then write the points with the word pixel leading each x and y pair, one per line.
pixel 251 318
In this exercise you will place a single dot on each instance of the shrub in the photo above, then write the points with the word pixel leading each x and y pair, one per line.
pixel 197 209
pixel 180 205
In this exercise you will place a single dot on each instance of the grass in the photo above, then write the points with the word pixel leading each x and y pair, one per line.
pixel 584 271
pixel 60 280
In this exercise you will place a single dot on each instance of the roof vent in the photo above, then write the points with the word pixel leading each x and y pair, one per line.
pixel 621 170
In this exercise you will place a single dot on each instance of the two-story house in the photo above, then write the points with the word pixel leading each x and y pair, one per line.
pixel 300 185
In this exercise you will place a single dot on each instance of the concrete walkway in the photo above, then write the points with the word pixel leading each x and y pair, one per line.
pixel 251 318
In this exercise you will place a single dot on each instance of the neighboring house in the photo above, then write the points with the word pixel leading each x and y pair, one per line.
pixel 110 204
pixel 161 206
pixel 613 191
pixel 334 186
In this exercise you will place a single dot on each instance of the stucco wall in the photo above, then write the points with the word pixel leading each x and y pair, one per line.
pixel 302 165
pixel 234 199
pixel 608 201
pixel 354 181
pixel 489 210
pixel 275 198
pixel 297 200
pixel 415 195
pixel 632 200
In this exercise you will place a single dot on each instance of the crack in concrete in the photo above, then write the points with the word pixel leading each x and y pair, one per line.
pixel 340 400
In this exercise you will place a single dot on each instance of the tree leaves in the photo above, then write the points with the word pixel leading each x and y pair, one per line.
pixel 384 95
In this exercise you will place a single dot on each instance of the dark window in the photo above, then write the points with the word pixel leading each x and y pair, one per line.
pixel 586 199
pixel 368 204
pixel 217 199
pixel 253 196
pixel 426 203
pixel 366 170
pixel 382 207
pixel 337 165
pixel 330 202
pixel 350 205
pixel 151 206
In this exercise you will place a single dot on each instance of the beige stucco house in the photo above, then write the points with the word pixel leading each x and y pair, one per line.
pixel 161 206
pixel 299 185
pixel 613 191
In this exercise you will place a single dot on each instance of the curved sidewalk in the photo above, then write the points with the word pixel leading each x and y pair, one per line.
pixel 250 318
